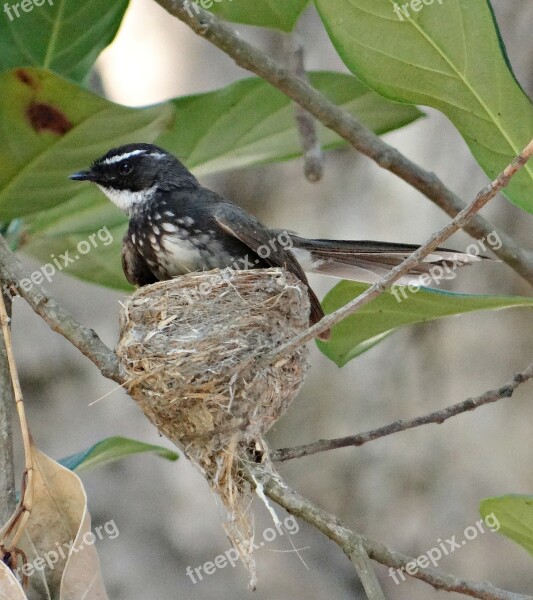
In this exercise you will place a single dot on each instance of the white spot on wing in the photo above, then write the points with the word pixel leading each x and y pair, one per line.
pixel 187 221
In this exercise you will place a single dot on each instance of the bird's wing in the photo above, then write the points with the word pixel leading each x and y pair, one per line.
pixel 258 238
pixel 135 268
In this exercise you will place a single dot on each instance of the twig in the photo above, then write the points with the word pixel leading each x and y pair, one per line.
pixel 363 565
pixel 16 524
pixel 276 489
pixel 438 417
pixel 7 466
pixel 312 151
pixel 483 197
pixel 345 125
pixel 59 320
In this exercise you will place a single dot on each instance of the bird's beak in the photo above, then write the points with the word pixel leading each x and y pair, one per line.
pixel 81 176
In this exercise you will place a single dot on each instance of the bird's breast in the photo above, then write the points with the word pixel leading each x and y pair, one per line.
pixel 178 246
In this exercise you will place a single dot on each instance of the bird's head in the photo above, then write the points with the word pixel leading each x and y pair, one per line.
pixel 130 175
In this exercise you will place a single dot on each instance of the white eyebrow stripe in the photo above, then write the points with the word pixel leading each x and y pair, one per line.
pixel 120 157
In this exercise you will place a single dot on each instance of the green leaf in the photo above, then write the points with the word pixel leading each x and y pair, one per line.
pixel 514 513
pixel 51 128
pixel 448 55
pixel 250 122
pixel 265 13
pixel 370 325
pixel 111 450
pixel 65 36
pixel 246 123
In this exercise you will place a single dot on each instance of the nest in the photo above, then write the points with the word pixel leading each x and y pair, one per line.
pixel 190 348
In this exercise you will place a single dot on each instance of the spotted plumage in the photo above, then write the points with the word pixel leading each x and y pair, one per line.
pixel 177 226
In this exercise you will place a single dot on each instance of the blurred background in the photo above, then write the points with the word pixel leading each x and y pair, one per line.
pixel 408 490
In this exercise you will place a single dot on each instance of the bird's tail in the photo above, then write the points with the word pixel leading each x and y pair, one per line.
pixel 369 261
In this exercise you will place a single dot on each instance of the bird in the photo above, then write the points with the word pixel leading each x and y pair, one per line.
pixel 177 226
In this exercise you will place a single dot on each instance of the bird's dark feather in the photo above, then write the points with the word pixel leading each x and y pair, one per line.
pixel 234 221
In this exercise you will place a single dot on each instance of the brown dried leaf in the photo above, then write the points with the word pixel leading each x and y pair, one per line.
pixel 62 565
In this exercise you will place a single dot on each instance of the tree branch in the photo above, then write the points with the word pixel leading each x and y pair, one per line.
pixel 276 489
pixel 312 151
pixel 482 198
pixel 59 320
pixel 438 417
pixel 340 121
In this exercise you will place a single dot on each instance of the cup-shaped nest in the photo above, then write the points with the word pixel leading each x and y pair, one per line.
pixel 193 349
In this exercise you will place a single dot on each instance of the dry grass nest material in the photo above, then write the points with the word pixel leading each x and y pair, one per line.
pixel 189 347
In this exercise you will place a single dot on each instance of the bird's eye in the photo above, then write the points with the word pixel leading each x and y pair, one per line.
pixel 125 168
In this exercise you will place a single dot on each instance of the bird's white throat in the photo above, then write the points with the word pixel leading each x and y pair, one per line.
pixel 127 200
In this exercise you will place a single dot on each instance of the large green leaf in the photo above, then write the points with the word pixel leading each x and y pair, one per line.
pixel 250 122
pixel 50 128
pixel 359 332
pixel 65 36
pixel 265 13
pixel 514 514
pixel 111 450
pixel 246 123
pixel 447 55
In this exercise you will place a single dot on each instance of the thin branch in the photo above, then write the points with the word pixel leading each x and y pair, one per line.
pixel 438 417
pixel 15 527
pixel 276 489
pixel 12 273
pixel 312 150
pixel 483 197
pixel 363 565
pixel 7 465
pixel 345 125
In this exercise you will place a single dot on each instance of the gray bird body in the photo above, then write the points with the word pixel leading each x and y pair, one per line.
pixel 176 226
